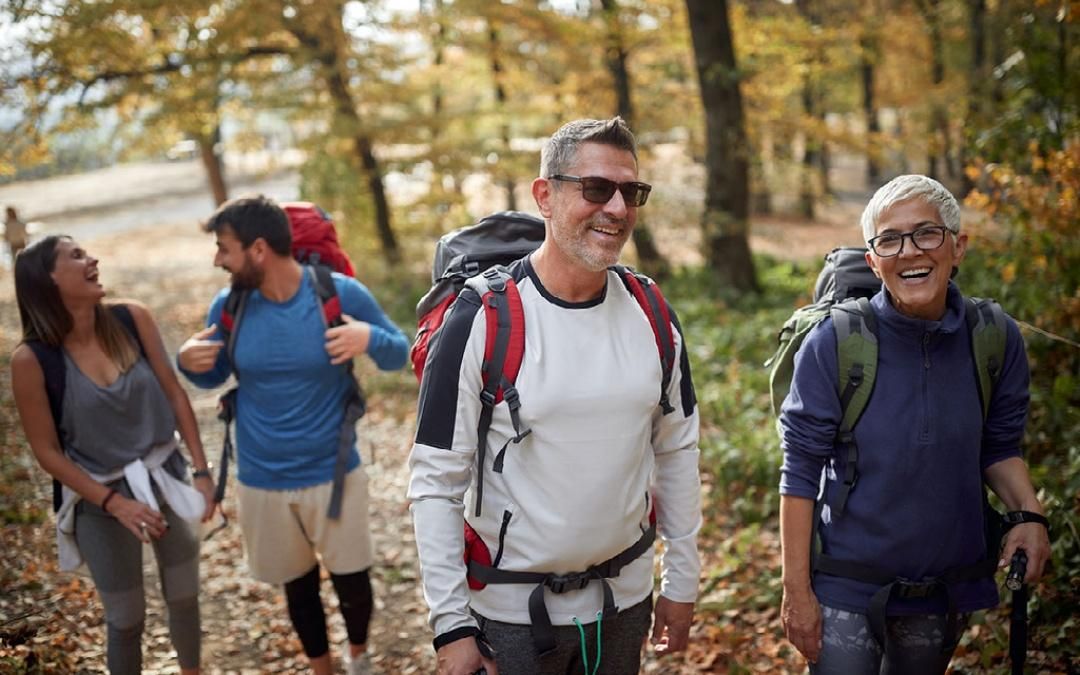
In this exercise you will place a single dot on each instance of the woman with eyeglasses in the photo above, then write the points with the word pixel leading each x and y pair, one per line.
pixel 100 406
pixel 900 554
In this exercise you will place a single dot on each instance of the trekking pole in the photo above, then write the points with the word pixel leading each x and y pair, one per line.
pixel 1014 581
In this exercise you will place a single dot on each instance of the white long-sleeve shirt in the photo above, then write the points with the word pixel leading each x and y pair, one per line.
pixel 578 489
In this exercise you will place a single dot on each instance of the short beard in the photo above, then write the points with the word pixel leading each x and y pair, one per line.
pixel 247 278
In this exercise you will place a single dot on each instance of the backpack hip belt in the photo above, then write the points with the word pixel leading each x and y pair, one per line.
pixel 542 632
pixel 900 587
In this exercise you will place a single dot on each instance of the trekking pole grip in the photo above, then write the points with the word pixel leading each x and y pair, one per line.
pixel 1017 569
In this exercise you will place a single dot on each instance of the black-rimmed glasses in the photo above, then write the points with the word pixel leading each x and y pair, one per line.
pixel 892 243
pixel 600 190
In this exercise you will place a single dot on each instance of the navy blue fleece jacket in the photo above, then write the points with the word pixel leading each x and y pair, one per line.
pixel 916 509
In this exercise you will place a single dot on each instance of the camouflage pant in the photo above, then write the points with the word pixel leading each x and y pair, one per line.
pixel 915 645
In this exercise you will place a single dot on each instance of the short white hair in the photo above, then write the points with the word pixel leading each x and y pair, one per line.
pixel 911 186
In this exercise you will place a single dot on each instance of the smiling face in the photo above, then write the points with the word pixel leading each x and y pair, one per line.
pixel 238 261
pixel 75 272
pixel 917 280
pixel 587 235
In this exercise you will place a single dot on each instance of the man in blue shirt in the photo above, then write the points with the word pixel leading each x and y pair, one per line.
pixel 290 403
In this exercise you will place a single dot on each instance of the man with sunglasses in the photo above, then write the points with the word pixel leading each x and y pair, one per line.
pixel 902 559
pixel 566 513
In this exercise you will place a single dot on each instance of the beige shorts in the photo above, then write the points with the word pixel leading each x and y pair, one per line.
pixel 284 530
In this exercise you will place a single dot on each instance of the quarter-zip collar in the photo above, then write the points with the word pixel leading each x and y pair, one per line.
pixel 951 322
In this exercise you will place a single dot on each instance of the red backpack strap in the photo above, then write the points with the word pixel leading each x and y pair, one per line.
pixel 323 282
pixel 652 302
pixel 504 350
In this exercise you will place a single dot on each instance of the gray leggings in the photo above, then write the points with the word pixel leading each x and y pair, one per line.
pixel 115 558
pixel 622 638
pixel 915 645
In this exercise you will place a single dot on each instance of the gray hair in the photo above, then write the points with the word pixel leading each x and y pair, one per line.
pixel 560 150
pixel 911 186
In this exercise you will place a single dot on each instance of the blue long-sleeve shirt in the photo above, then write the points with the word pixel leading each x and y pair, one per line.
pixel 916 509
pixel 289 405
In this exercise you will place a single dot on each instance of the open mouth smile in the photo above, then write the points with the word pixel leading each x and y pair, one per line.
pixel 916 273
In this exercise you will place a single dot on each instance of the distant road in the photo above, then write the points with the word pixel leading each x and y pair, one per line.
pixel 131 196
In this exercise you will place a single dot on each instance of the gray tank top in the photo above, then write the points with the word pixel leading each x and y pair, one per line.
pixel 104 428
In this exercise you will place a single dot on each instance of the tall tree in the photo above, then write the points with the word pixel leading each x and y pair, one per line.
pixel 725 223
pixel 938 160
pixel 500 108
pixel 652 261
pixel 321 32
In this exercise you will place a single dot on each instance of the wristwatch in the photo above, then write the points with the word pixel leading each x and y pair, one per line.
pixel 202 473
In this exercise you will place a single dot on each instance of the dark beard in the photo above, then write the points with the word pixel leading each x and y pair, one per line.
pixel 247 278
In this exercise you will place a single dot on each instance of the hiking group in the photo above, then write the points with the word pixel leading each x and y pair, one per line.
pixel 556 435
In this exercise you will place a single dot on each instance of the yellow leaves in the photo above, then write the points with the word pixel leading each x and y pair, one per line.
pixel 1008 273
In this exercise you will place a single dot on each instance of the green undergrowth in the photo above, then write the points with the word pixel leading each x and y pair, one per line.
pixel 730 337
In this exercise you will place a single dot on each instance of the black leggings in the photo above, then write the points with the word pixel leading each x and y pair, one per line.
pixel 309 619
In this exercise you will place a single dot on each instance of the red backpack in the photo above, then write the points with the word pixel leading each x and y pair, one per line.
pixel 314 237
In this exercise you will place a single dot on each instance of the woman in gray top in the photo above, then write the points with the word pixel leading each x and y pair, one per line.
pixel 101 406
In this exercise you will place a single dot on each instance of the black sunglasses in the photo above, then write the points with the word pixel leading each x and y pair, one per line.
pixel 600 190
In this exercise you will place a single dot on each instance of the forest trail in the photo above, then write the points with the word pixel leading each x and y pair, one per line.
pixel 167 265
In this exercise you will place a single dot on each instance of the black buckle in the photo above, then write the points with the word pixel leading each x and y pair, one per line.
pixel 560 583
pixel 510 395
pixel 472 268
pixel 907 588
pixel 487 398
pixel 495 280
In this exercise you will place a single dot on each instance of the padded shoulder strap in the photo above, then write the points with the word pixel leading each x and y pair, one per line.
pixel 504 346
pixel 504 349
pixel 652 302
pixel 231 313
pixel 54 370
pixel 123 314
pixel 857 355
pixel 323 282
pixel 986 324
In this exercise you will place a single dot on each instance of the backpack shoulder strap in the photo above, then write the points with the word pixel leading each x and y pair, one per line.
pixel 857 354
pixel 54 370
pixel 652 303
pixel 987 328
pixel 231 313
pixel 504 350
pixel 123 314
pixel 323 282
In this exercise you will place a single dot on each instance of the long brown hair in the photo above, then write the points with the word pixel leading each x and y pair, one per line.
pixel 43 314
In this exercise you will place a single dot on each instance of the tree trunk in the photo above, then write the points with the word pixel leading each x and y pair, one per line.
pixel 725 224
pixel 327 47
pixel 937 163
pixel 815 162
pixel 500 102
pixel 212 162
pixel 868 65
pixel 649 257
pixel 976 90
